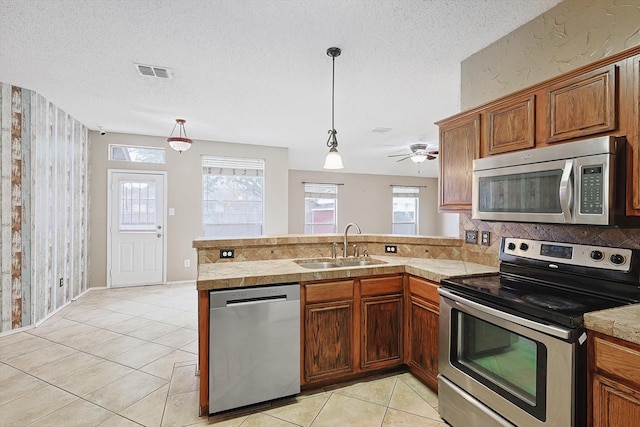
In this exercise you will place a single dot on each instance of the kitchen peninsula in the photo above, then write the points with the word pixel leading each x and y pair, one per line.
pixel 401 278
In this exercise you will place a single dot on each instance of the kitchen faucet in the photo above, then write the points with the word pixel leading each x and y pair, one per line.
pixel 346 229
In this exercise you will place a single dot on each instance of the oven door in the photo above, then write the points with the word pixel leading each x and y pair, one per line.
pixel 492 362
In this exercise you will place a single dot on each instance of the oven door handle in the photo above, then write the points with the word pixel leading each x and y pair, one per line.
pixel 565 191
pixel 536 326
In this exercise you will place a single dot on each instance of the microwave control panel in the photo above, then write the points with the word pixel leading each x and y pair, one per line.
pixel 591 189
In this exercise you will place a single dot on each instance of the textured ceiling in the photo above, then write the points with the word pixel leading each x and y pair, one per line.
pixel 256 71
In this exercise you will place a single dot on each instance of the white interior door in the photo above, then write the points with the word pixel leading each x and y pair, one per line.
pixel 136 231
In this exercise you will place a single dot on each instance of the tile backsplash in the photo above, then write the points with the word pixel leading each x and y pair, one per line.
pixel 588 235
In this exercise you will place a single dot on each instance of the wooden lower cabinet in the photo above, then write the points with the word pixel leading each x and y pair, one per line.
pixel 350 327
pixel 328 340
pixel 382 321
pixel 615 381
pixel 422 330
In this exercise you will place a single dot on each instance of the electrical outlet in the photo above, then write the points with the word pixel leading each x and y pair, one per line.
pixel 390 249
pixel 61 282
pixel 471 236
pixel 485 238
pixel 187 263
pixel 227 253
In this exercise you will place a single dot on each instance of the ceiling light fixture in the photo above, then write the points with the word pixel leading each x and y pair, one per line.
pixel 333 159
pixel 179 143
pixel 418 158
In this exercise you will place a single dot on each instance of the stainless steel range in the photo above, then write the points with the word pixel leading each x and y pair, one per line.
pixel 512 344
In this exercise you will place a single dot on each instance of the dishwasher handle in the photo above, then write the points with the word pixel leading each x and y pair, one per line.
pixel 253 301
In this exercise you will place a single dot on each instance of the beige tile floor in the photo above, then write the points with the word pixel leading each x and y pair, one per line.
pixel 127 357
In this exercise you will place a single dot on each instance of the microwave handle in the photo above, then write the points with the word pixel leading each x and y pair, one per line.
pixel 566 191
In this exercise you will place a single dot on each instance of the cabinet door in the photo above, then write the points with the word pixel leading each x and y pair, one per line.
pixel 328 349
pixel 584 105
pixel 382 331
pixel 614 405
pixel 633 151
pixel 423 340
pixel 509 127
pixel 459 146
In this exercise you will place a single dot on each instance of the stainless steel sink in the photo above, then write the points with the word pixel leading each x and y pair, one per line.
pixel 337 263
pixel 318 265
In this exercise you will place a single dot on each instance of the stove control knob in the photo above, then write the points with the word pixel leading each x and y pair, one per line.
pixel 617 259
pixel 596 255
pixel 511 246
pixel 524 246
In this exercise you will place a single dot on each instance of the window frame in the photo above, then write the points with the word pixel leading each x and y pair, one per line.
pixel 230 167
pixel 313 190
pixel 405 192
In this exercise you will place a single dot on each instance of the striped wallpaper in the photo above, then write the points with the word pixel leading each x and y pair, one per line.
pixel 43 209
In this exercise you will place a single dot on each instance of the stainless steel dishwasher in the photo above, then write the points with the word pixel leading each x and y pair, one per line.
pixel 254 341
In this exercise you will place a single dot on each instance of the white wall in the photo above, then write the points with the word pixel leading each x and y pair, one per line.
pixel 184 194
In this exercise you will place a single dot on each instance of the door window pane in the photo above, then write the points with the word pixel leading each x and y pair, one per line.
pixel 320 208
pixel 137 205
pixel 405 210
pixel 232 197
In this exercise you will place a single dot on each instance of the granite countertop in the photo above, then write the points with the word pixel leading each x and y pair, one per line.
pixel 621 322
pixel 250 273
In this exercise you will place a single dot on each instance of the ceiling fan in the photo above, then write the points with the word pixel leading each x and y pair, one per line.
pixel 419 153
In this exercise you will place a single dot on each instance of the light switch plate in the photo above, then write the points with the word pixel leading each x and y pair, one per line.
pixel 471 236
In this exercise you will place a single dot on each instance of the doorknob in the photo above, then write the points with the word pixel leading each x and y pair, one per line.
pixel 159 235
pixel 159 227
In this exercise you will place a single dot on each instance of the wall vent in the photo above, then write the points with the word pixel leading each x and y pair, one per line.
pixel 153 71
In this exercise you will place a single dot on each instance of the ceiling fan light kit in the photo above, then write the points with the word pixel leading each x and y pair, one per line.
pixel 333 159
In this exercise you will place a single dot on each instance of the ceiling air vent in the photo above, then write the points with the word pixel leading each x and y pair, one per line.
pixel 153 71
pixel 381 130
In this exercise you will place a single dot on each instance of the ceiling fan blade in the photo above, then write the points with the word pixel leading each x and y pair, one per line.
pixel 432 153
pixel 408 157
pixel 398 155
pixel 431 157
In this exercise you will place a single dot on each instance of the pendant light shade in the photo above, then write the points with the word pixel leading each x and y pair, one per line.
pixel 333 159
pixel 179 143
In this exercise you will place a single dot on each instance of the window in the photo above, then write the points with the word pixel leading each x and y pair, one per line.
pixel 130 153
pixel 405 210
pixel 320 208
pixel 232 196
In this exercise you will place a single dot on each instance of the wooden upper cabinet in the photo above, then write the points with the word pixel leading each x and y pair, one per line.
pixel 509 126
pixel 584 105
pixel 459 146
pixel 633 138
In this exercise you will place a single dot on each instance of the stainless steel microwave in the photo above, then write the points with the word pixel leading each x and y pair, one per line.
pixel 570 183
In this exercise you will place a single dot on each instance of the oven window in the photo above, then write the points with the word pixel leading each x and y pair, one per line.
pixel 533 192
pixel 512 365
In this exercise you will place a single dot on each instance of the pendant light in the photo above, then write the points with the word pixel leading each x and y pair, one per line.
pixel 333 159
pixel 179 143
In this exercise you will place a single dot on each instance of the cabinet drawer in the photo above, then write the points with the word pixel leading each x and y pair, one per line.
pixel 618 360
pixel 329 291
pixel 424 289
pixel 381 285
